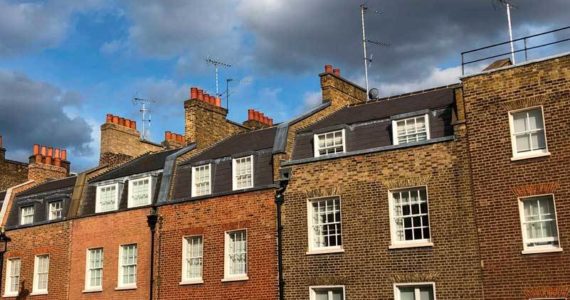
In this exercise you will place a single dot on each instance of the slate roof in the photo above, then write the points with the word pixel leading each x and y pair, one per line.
pixel 240 143
pixel 387 107
pixel 52 185
pixel 143 164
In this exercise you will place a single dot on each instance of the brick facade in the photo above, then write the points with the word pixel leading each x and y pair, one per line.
pixel 368 268
pixel 12 172
pixel 110 231
pixel 211 218
pixel 498 181
pixel 51 239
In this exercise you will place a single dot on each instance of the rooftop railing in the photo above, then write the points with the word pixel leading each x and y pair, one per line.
pixel 529 43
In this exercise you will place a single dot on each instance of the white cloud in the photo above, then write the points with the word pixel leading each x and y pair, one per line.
pixel 312 99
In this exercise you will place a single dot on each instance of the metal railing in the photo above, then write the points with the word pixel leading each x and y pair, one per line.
pixel 525 48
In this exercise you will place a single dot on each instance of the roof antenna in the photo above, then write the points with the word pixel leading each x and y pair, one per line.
pixel 367 60
pixel 145 115
pixel 217 64
pixel 509 5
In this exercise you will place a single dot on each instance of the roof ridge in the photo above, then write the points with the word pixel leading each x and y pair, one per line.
pixel 399 96
pixel 114 168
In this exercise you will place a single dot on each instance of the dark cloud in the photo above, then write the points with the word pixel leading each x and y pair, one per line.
pixel 32 112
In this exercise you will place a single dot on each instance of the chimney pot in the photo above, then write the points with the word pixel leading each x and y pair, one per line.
pixel 44 151
pixel 336 72
pixel 218 104
pixel 328 68
pixel 270 122
pixel 127 123
pixel 48 160
pixel 115 120
pixel 63 154
pixel 134 125
pixel 109 118
pixel 168 135
pixel 122 121
pixel 193 93
pixel 36 149
pixel 38 159
pixel 57 162
pixel 250 114
pixel 200 95
pixel 57 153
pixel 50 152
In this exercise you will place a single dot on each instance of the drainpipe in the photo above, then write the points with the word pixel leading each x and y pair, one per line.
pixel 279 199
pixel 152 219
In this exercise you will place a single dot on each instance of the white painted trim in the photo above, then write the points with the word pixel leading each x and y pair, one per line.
pixel 538 249
pixel 151 183
pixel 35 280
pixel 120 284
pixel 234 181
pixel 395 127
pixel 312 294
pixel 394 244
pixel 8 198
pixel 530 154
pixel 7 281
pixel 98 196
pixel 316 138
pixel 88 288
pixel 321 250
pixel 183 279
pixel 50 203
pixel 193 187
pixel 235 277
pixel 413 284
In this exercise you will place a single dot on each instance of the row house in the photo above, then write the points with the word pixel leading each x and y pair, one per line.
pixel 378 204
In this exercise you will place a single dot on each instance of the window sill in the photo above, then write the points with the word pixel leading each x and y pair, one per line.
pixel 325 251
pixel 92 290
pixel 529 156
pixel 190 282
pixel 10 295
pixel 38 293
pixel 543 250
pixel 411 245
pixel 126 288
pixel 236 278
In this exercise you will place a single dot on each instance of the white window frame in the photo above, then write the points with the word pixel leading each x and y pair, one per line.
pixel 313 294
pixel 185 244
pixel 317 137
pixel 227 275
pixel 530 154
pixel 395 244
pixel 194 182
pixel 120 284
pixel 35 284
pixel 234 174
pixel 88 286
pixel 98 197
pixel 538 249
pixel 395 128
pixel 8 292
pixel 22 216
pixel 150 190
pixel 312 249
pixel 51 208
pixel 397 286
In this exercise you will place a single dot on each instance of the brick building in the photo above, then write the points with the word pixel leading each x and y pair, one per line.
pixel 13 172
pixel 517 123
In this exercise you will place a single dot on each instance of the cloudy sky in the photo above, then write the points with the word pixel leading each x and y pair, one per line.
pixel 64 64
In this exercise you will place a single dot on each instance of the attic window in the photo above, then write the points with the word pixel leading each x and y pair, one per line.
pixel 201 180
pixel 243 173
pixel 410 130
pixel 329 143
pixel 55 210
pixel 107 198
pixel 26 215
pixel 140 191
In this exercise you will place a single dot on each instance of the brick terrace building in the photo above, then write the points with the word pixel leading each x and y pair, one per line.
pixel 517 122
pixel 379 204
pixel 13 172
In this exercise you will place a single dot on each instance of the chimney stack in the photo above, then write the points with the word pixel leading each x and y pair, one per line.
pixel 173 140
pixel 338 90
pixel 48 163
pixel 257 120
pixel 200 95
pixel 2 150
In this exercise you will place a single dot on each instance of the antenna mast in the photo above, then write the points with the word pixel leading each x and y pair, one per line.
pixel 363 9
pixel 145 115
pixel 217 64
pixel 510 31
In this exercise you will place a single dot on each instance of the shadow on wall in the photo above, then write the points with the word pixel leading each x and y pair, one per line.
pixel 24 292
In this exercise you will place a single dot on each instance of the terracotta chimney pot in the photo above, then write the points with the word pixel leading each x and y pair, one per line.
pixel 109 118
pixel 218 103
pixel 134 125
pixel 200 95
pixel 193 93
pixel 336 72
pixel 115 120
pixel 63 154
pixel 36 149
pixel 44 151
pixel 57 153
pixel 328 68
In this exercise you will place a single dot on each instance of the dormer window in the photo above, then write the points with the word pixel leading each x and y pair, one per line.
pixel 411 130
pixel 329 143
pixel 201 180
pixel 243 172
pixel 26 215
pixel 55 210
pixel 140 191
pixel 107 198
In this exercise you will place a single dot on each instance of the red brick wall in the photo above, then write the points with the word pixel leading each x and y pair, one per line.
pixel 110 231
pixel 49 239
pixel 509 274
pixel 254 211
pixel 368 268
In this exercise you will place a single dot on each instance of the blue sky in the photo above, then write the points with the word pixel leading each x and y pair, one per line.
pixel 65 64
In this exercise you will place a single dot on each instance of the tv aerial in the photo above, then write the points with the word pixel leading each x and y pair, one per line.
pixel 509 4
pixel 365 41
pixel 217 64
pixel 145 111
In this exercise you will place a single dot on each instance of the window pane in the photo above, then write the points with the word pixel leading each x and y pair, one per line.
pixel 321 295
pixel 95 268
pixel 326 223
pixel 107 198
pixel 523 143
pixel 535 119
pixel 129 264
pixel 426 293
pixel 243 173
pixel 411 130
pixel 410 212
pixel 55 210
pixel 202 180
pixel 528 130
pixel 407 293
pixel 330 143
pixel 193 257
pixel 237 253
pixel 539 222
pixel 519 122
pixel 140 192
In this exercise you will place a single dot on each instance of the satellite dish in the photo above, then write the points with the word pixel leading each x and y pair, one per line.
pixel 374 93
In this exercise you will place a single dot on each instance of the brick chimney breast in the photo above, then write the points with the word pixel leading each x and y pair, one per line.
pixel 48 163
pixel 257 120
